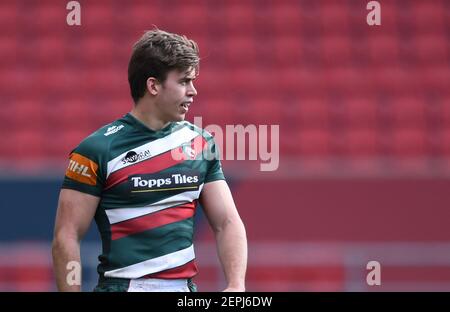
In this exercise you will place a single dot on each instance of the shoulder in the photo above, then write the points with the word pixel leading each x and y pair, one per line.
pixel 99 141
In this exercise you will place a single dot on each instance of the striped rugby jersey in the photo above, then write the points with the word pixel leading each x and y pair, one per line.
pixel 149 183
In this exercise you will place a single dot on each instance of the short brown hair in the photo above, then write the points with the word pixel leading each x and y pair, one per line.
pixel 155 54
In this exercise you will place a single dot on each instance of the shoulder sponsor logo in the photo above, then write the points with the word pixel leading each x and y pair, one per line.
pixel 165 182
pixel 82 169
pixel 113 129
pixel 132 156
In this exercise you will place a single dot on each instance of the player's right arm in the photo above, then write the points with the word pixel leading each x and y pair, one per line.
pixel 78 201
pixel 74 215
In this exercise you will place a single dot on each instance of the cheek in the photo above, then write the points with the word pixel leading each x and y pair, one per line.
pixel 181 90
pixel 174 95
pixel 179 94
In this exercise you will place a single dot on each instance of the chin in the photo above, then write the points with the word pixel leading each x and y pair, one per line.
pixel 179 118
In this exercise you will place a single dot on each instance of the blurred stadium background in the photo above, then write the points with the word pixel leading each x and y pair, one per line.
pixel 364 115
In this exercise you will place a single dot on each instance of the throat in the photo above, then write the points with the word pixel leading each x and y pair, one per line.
pixel 150 121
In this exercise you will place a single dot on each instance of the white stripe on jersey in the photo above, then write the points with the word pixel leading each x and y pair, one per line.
pixel 154 265
pixel 122 214
pixel 155 148
pixel 158 285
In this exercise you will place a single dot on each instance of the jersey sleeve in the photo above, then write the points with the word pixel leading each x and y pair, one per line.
pixel 84 172
pixel 214 171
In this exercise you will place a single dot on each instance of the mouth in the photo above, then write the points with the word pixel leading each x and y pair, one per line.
pixel 186 105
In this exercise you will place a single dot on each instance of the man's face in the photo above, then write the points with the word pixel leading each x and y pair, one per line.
pixel 176 95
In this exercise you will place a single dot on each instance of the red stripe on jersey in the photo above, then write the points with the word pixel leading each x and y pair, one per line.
pixel 155 164
pixel 187 270
pixel 153 220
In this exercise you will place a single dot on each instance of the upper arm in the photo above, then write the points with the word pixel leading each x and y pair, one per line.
pixel 75 213
pixel 218 204
pixel 81 189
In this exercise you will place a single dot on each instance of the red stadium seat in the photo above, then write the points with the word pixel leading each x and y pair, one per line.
pixel 432 48
pixel 28 114
pixel 444 150
pixel 383 49
pixel 10 17
pixel 334 17
pixel 97 50
pixel 362 143
pixel 106 80
pixel 347 80
pixel 6 152
pixel 214 81
pixel 299 81
pixel 408 142
pixel 72 114
pixel 109 109
pixel 48 18
pixel 14 80
pixel 393 79
pixel 428 17
pixel 239 51
pixel 192 17
pixel 219 111
pixel 28 145
pixel 434 78
pixel 266 111
pixel 59 80
pixel 287 51
pixel 139 17
pixel 52 51
pixel 313 113
pixel 248 80
pixel 286 19
pixel 408 111
pixel 444 115
pixel 99 18
pixel 336 49
pixel 313 142
pixel 239 19
pixel 143 11
pixel 360 112
pixel 61 144
pixel 9 47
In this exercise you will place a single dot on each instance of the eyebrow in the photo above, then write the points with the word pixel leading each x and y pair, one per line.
pixel 187 78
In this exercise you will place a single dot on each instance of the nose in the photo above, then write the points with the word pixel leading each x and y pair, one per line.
pixel 191 91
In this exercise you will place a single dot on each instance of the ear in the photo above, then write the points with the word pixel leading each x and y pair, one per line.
pixel 153 86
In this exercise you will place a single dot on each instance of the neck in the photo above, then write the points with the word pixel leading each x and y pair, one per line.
pixel 148 118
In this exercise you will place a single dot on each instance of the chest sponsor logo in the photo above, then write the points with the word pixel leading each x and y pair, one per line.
pixel 189 181
pixel 132 157
pixel 82 169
